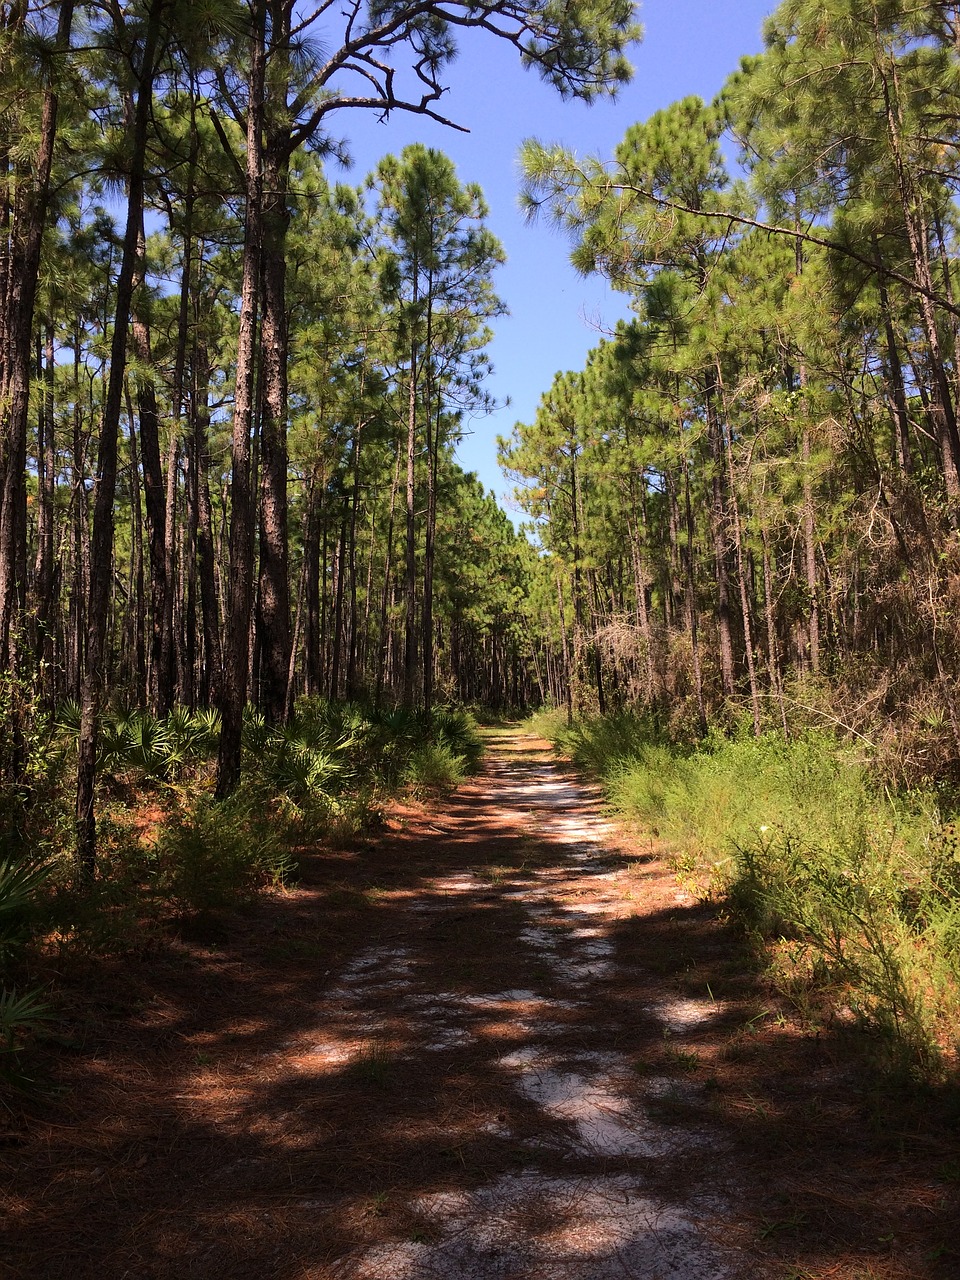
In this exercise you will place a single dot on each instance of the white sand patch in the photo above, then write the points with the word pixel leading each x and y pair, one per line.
pixel 527 1227
pixel 447 1038
pixel 435 1003
pixel 538 938
pixel 682 1015
pixel 535 1225
pixel 501 997
pixel 376 958
pixel 606 1123
pixel 589 908
pixel 335 1053
pixel 457 884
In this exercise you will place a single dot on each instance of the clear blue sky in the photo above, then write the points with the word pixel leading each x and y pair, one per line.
pixel 689 46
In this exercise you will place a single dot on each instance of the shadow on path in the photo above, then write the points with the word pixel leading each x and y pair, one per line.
pixel 495 1042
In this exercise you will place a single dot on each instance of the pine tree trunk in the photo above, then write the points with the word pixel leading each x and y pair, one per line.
pixel 737 529
pixel 351 679
pixel 690 600
pixel 312 642
pixel 341 573
pixel 79 587
pixel 236 665
pixel 894 372
pixel 944 413
pixel 101 552
pixel 429 556
pixel 387 574
pixel 46 575
pixel 718 532
pixel 19 297
pixel 169 646
pixel 209 600
pixel 410 576
pixel 139 654
pixel 160 692
pixel 773 663
pixel 274 586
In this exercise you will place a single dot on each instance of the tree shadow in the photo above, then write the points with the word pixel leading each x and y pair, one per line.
pixel 335 1072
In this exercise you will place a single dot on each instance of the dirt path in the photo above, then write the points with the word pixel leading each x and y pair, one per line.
pixel 494 1043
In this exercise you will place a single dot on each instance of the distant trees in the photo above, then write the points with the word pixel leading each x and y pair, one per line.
pixel 774 435
pixel 203 410
pixel 436 260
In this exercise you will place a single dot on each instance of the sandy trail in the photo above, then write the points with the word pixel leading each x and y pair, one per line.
pixel 589 1204
pixel 498 1041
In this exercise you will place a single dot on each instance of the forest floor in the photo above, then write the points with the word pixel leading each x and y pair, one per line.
pixel 496 1040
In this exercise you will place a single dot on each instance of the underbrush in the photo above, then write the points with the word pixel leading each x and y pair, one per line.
pixel 851 891
pixel 166 848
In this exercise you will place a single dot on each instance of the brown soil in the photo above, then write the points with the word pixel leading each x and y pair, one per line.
pixel 498 1041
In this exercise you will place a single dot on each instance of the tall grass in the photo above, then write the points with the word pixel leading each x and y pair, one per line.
pixel 852 890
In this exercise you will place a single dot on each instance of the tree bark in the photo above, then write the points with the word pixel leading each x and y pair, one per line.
pixel 160 693
pixel 410 576
pixel 19 295
pixel 101 553
pixel 236 668
pixel 274 585
pixel 212 666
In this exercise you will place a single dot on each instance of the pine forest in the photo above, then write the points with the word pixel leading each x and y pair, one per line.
pixel 248 593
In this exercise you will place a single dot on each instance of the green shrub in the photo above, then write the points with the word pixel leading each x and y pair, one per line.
pixel 156 749
pixel 21 885
pixel 332 749
pixel 852 889
pixel 213 854
pixel 457 731
pixel 433 766
pixel 19 1014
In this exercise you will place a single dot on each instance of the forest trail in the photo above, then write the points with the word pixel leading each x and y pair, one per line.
pixel 496 1042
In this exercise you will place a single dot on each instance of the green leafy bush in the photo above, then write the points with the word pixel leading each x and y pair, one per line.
pixel 433 766
pixel 853 890
pixel 213 854
pixel 19 1014
pixel 156 749
pixel 331 751
pixel 21 885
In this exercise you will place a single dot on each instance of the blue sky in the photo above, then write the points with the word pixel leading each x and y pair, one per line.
pixel 556 316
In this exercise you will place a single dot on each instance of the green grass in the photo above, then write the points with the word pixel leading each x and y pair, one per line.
pixel 853 891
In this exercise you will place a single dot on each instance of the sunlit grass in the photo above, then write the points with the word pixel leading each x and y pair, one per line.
pixel 853 891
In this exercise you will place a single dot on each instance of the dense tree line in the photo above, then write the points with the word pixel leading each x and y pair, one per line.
pixel 750 497
pixel 229 391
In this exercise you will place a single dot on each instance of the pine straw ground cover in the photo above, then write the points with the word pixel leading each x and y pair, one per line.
pixel 499 1039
